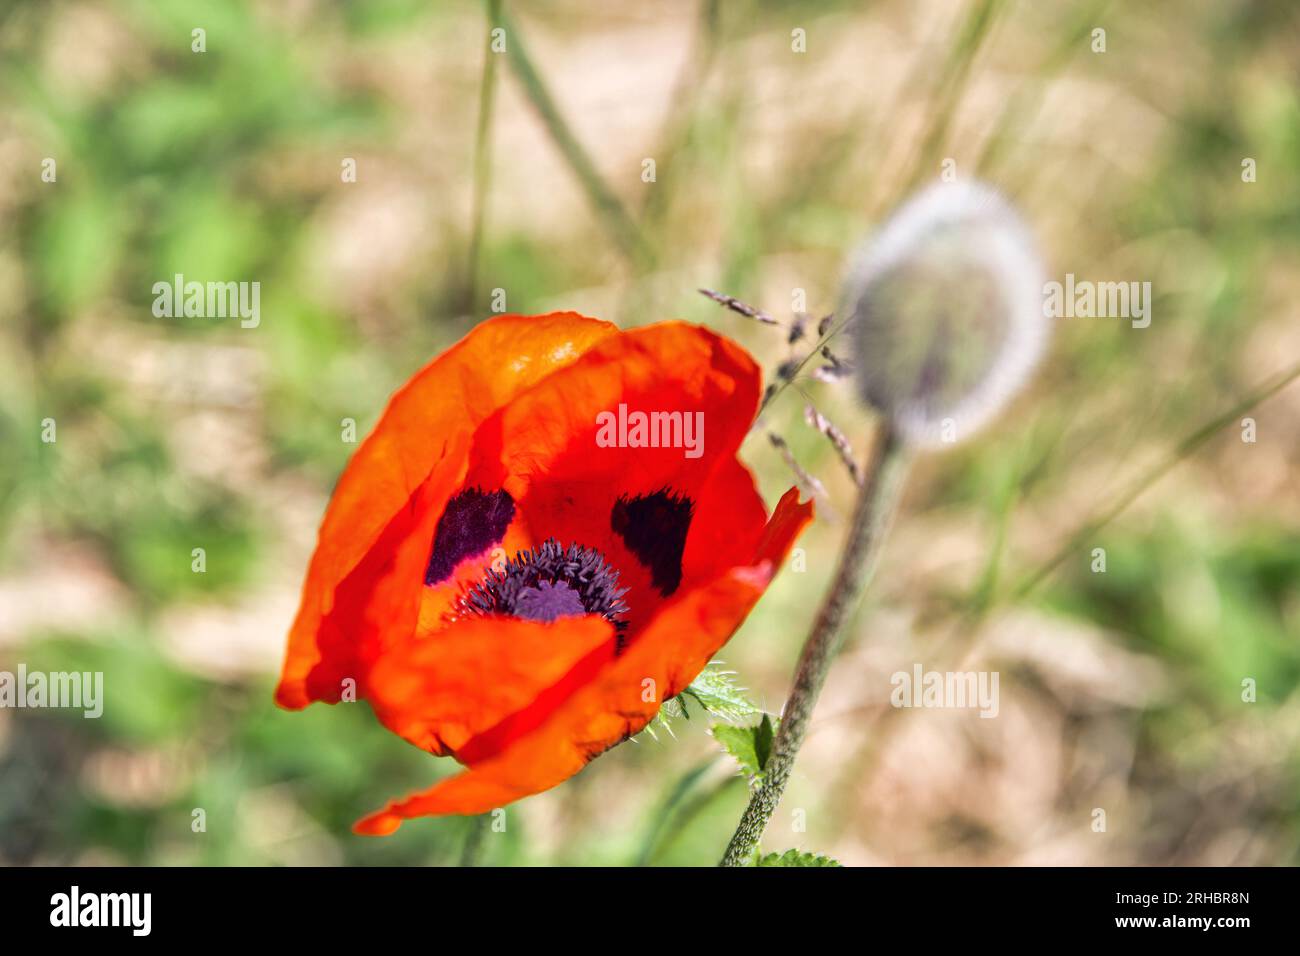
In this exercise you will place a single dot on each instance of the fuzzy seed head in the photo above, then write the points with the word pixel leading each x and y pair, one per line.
pixel 945 311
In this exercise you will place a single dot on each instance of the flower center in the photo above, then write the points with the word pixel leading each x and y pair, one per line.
pixel 549 600
pixel 547 583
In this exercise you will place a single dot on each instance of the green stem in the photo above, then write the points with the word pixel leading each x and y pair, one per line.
pixel 472 849
pixel 618 221
pixel 676 797
pixel 1180 452
pixel 482 155
pixel 872 516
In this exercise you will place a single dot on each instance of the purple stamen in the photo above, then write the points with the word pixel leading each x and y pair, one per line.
pixel 549 582
pixel 547 601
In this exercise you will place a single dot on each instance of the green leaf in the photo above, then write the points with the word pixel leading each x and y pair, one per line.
pixel 796 858
pixel 673 707
pixel 751 746
pixel 764 734
pixel 78 243
pixel 717 692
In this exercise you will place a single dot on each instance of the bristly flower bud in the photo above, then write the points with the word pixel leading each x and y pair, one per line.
pixel 945 310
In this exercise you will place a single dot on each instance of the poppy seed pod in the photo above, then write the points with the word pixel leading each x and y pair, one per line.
pixel 944 307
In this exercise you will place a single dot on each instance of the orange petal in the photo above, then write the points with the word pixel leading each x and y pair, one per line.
pixel 442 689
pixel 400 475
pixel 661 662
pixel 546 447
pixel 550 433
pixel 729 522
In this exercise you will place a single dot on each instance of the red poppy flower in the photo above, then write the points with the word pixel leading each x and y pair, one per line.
pixel 508 581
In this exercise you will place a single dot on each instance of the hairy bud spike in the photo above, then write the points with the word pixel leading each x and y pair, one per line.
pixel 735 305
pixel 837 439
pixel 806 481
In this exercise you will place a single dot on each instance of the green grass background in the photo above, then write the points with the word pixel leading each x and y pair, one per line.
pixel 1120 691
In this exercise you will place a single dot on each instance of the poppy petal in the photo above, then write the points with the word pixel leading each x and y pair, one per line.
pixel 400 478
pixel 553 432
pixel 442 689
pixel 665 658
pixel 551 448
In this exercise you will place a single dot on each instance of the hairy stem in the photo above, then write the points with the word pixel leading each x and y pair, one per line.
pixel 877 502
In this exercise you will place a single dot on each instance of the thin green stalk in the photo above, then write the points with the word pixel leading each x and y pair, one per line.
pixel 675 132
pixel 872 517
pixel 1028 97
pixel 685 805
pixel 482 155
pixel 617 220
pixel 970 38
pixel 950 650
pixel 472 850
pixel 676 797
pixel 1181 451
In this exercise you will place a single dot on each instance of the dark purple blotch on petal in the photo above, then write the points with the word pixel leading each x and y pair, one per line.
pixel 473 521
pixel 654 528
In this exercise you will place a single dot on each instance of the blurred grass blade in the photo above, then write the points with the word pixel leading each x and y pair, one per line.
pixel 676 128
pixel 482 155
pixel 952 85
pixel 615 217
pixel 472 849
pixel 668 809
pixel 1029 96
pixel 1182 450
